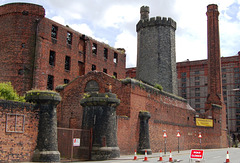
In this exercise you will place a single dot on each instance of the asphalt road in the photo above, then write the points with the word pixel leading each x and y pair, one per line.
pixel 210 156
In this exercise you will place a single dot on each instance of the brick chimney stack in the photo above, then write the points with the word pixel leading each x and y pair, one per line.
pixel 214 59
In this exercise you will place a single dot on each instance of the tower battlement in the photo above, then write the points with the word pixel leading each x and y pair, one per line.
pixel 156 21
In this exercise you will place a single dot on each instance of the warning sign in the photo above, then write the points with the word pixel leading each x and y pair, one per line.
pixel 196 154
pixel 76 142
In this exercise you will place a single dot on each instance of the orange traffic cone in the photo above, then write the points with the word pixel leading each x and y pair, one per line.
pixel 145 158
pixel 170 157
pixel 135 155
pixel 227 157
pixel 160 158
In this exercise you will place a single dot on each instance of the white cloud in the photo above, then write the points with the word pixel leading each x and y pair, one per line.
pixel 59 19
pixel 83 28
pixel 189 48
pixel 129 42
pixel 115 15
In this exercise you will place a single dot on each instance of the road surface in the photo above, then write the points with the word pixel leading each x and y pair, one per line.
pixel 210 156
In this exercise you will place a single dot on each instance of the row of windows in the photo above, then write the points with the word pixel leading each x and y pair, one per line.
pixel 184 79
pixel 69 35
pixel 105 53
pixel 184 74
pixel 236 69
pixel 94 67
pixel 54 34
pixel 52 57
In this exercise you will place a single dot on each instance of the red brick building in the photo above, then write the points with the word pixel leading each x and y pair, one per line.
pixel 168 112
pixel 39 53
pixel 193 86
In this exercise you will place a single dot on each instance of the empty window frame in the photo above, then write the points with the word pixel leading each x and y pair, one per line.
pixel 236 69
pixel 197 89
pixel 94 48
pixel 183 74
pixel 67 63
pixel 197 83
pixel 105 53
pixel 69 38
pixel 184 95
pixel 184 80
pixel 197 100
pixel 197 106
pixel 66 81
pixel 197 94
pixel 115 74
pixel 54 31
pixel 105 70
pixel 197 72
pixel 115 57
pixel 52 58
pixel 94 67
pixel 50 82
pixel 197 78
pixel 15 122
pixel 183 90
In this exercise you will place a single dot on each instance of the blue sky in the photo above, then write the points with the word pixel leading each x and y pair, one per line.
pixel 114 22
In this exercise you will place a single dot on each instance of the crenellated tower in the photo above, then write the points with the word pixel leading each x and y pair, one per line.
pixel 156 54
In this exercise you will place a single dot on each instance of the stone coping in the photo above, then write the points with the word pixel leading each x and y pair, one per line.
pixel 100 99
pixel 151 89
pixel 37 96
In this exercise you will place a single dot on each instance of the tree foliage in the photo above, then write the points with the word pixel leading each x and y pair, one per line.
pixel 7 92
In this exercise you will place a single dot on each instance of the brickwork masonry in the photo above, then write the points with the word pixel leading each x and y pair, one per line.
pixel 18 131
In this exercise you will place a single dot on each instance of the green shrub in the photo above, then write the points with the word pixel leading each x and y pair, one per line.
pixel 158 86
pixel 7 92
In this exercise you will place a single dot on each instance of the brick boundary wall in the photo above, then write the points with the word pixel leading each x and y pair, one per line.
pixel 168 112
pixel 18 130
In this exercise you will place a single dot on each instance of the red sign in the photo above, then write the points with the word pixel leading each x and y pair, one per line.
pixel 164 134
pixel 178 134
pixel 196 154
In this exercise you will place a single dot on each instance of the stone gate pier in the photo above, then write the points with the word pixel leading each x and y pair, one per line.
pixel 144 142
pixel 99 114
pixel 47 145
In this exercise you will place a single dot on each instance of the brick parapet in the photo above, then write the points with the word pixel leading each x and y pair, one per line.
pixel 151 89
pixel 156 21
pixel 22 8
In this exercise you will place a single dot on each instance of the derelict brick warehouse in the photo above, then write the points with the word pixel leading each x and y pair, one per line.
pixel 57 55
pixel 39 53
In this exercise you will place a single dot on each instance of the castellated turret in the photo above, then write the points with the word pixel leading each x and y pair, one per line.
pixel 156 55
pixel 144 12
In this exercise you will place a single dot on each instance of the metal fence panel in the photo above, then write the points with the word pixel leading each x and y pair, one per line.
pixel 65 144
